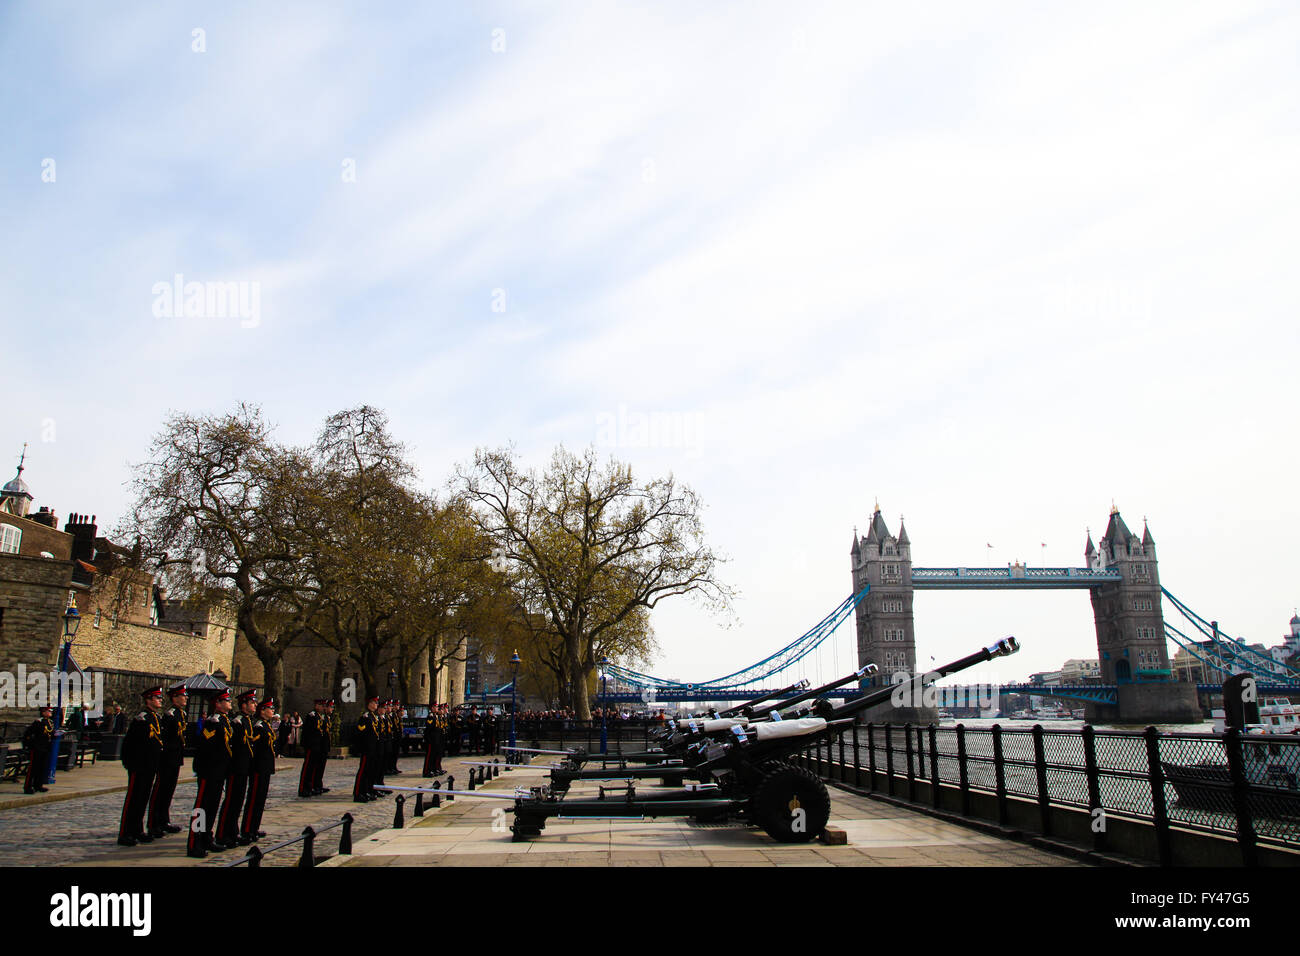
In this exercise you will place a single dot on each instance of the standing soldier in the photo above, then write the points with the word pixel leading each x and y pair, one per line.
pixel 367 744
pixel 475 732
pixel 38 739
pixel 311 729
pixel 398 736
pixel 241 765
pixel 173 721
pixel 490 732
pixel 430 741
pixel 263 767
pixel 141 753
pixel 212 764
pixel 385 743
pixel 326 723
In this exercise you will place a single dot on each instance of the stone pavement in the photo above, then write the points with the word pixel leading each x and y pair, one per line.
pixel 76 822
pixel 475 832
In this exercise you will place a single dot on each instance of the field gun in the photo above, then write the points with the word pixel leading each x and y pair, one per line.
pixel 744 773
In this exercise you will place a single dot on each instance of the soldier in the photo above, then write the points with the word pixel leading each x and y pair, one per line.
pixel 173 721
pixel 318 765
pixel 489 732
pixel 241 765
pixel 430 743
pixel 311 731
pixel 212 764
pixel 397 736
pixel 380 766
pixel 141 754
pixel 263 768
pixel 475 732
pixel 367 744
pixel 38 739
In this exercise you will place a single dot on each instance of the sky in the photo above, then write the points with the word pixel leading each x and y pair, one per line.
pixel 995 266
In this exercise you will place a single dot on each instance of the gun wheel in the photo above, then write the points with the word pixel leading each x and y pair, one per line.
pixel 791 804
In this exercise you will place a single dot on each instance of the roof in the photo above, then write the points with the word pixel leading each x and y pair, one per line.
pixel 1091 548
pixel 1147 540
pixel 902 532
pixel 1117 531
pixel 201 682
pixel 878 527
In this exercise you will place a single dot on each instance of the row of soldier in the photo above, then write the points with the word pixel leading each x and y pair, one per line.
pixel 236 758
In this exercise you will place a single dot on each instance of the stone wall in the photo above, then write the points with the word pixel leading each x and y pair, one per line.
pixel 33 594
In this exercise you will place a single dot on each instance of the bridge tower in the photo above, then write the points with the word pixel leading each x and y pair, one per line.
pixel 886 634
pixel 1130 624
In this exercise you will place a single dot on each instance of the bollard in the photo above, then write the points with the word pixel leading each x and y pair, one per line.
pixel 436 799
pixel 308 857
pixel 496 767
pixel 254 857
pixel 345 841
pixel 419 804
pixel 451 785
pixel 471 778
pixel 399 819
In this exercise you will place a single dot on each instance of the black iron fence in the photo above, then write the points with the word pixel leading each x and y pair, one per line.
pixel 1229 784
pixel 581 733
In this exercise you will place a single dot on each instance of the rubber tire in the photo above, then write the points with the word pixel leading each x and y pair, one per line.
pixel 770 805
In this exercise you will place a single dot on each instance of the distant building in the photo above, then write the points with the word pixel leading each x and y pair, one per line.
pixel 1080 671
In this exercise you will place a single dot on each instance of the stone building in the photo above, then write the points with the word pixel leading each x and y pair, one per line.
pixel 886 634
pixel 129 631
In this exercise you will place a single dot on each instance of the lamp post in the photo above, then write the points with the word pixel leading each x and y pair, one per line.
pixel 604 710
pixel 514 686
pixel 71 621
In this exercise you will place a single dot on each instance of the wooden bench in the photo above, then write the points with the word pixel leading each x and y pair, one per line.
pixel 15 763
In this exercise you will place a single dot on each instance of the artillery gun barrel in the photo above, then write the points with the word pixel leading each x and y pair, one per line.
pixel 1002 648
pixel 732 711
pixel 757 712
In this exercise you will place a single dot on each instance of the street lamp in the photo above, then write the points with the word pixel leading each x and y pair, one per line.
pixel 514 686
pixel 604 710
pixel 71 621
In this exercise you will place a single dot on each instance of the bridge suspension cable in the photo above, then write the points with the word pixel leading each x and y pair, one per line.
pixel 1227 647
pixel 793 653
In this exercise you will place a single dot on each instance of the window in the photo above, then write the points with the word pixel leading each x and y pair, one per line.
pixel 889 549
pixel 99 615
pixel 153 614
pixel 1140 571
pixel 1142 604
pixel 297 678
pixel 129 594
pixel 325 679
pixel 422 677
pixel 235 674
pixel 115 619
pixel 10 537
pixel 145 602
pixel 889 570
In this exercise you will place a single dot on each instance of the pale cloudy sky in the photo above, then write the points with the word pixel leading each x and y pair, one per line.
pixel 995 264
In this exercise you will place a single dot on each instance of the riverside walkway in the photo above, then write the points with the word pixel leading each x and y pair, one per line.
pixel 475 832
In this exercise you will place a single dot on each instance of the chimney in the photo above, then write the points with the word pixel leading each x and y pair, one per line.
pixel 83 537
pixel 46 517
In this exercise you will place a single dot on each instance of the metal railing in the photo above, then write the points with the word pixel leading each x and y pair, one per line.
pixel 1242 786
pixel 308 840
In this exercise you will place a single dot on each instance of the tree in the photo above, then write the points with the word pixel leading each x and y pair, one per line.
pixel 215 511
pixel 590 549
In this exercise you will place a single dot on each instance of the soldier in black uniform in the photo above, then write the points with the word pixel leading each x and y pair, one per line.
pixel 367 745
pixel 489 732
pixel 431 743
pixel 141 755
pixel 318 766
pixel 263 768
pixel 396 735
pixel 173 721
pixel 475 733
pixel 380 766
pixel 311 731
pixel 241 765
pixel 38 738
pixel 212 764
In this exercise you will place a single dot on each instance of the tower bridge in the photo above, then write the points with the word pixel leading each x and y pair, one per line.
pixel 1123 581
pixel 1121 575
